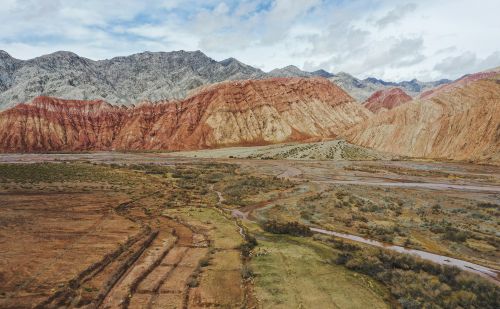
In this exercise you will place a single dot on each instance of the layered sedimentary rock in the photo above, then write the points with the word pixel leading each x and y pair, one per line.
pixel 460 122
pixel 386 99
pixel 229 113
pixel 463 81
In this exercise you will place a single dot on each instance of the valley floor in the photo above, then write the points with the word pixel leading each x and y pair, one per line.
pixel 171 230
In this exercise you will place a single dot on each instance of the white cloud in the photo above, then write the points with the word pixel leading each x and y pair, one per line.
pixel 389 39
pixel 468 61
pixel 395 14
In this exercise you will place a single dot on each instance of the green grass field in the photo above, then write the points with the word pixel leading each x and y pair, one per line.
pixel 296 272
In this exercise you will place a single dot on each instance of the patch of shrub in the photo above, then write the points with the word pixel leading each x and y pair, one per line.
pixel 340 195
pixel 236 192
pixel 292 228
pixel 370 208
pixel 342 245
pixel 359 218
pixel 204 262
pixel 248 245
pixel 436 209
pixel 343 258
pixel 193 282
pixel 306 214
pixel 417 283
pixel 488 205
pixel 455 235
pixel 384 233
pixel 247 272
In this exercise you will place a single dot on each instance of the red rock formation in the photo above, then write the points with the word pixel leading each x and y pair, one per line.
pixel 386 99
pixel 463 81
pixel 459 123
pixel 230 113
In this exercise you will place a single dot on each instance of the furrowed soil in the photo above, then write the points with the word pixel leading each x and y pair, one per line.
pixel 100 239
pixel 131 230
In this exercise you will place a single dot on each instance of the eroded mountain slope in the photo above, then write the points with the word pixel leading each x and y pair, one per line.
pixel 460 123
pixel 386 99
pixel 230 113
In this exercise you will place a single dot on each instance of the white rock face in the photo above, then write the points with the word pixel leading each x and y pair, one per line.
pixel 150 76
pixel 121 80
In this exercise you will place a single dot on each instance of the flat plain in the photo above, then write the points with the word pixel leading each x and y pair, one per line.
pixel 164 230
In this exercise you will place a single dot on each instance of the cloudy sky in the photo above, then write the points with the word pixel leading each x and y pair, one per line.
pixel 389 39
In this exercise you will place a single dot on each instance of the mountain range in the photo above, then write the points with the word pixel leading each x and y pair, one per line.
pixel 459 121
pixel 361 89
pixel 152 76
pixel 250 112
pixel 185 100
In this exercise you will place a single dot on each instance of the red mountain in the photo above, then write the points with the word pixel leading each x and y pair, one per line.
pixel 463 81
pixel 386 99
pixel 229 113
pixel 461 121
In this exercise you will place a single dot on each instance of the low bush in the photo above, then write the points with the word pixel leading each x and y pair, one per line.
pixel 247 272
pixel 455 235
pixel 238 189
pixel 204 262
pixel 417 283
pixel 292 228
pixel 488 205
pixel 248 245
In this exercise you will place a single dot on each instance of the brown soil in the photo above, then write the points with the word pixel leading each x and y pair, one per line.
pixel 94 250
pixel 52 243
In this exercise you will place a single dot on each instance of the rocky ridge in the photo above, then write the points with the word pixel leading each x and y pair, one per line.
pixel 121 80
pixel 361 90
pixel 458 122
pixel 150 76
pixel 386 99
pixel 231 113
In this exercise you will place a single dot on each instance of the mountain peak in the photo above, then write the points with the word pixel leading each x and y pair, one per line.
pixel 386 99
pixel 322 73
pixel 151 76
pixel 289 71
pixel 61 54
pixel 4 54
pixel 292 68
pixel 344 74
pixel 230 61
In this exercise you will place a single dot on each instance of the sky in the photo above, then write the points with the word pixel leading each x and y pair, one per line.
pixel 388 39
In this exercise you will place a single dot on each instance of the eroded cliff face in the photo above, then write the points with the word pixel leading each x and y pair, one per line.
pixel 229 113
pixel 386 99
pixel 461 122
pixel 280 110
pixel 461 82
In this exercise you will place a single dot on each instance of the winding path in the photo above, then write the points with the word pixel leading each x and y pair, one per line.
pixel 425 185
pixel 483 271
pixel 486 272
